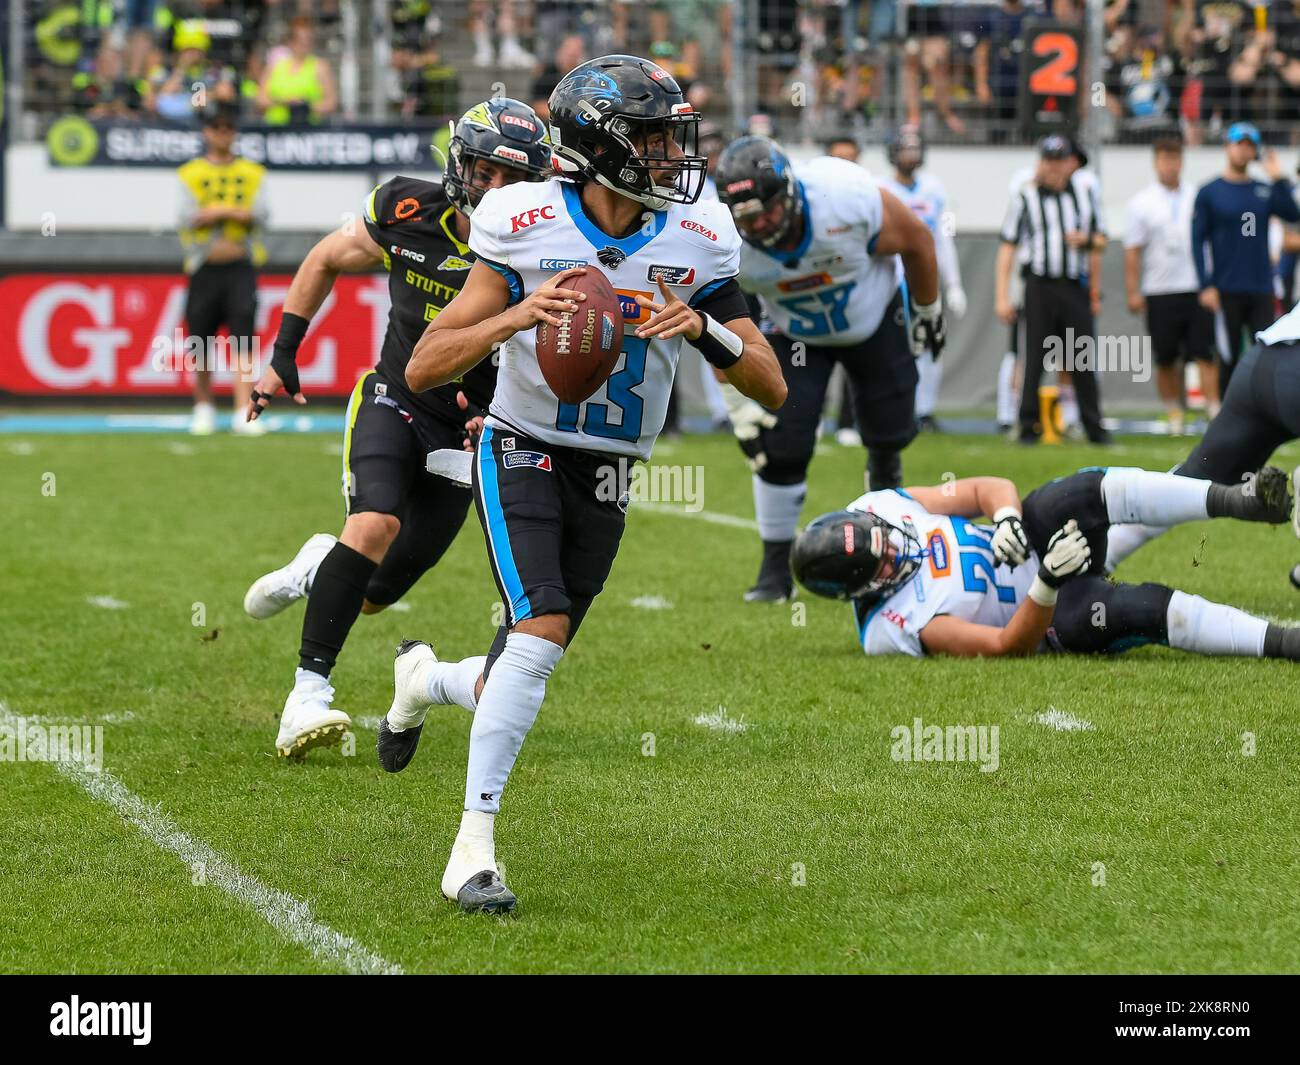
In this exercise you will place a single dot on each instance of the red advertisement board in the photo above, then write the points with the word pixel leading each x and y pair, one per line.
pixel 124 334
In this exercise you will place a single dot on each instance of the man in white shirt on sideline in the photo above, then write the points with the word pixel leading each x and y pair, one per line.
pixel 1160 278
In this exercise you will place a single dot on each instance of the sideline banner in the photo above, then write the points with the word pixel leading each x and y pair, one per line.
pixel 124 334
pixel 75 141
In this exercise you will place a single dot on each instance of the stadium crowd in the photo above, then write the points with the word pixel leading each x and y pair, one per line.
pixel 820 65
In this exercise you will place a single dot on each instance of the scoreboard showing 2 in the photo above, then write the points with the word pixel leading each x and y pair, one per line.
pixel 1050 70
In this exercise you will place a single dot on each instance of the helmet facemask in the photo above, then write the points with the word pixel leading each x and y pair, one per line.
pixel 461 183
pixel 655 161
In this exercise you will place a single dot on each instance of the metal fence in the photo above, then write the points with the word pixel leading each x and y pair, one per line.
pixel 803 69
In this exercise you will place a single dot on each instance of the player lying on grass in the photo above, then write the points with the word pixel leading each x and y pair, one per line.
pixel 626 138
pixel 399 519
pixel 923 579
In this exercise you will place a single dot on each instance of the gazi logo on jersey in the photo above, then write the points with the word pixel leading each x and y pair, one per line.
pixel 531 217
pixel 695 227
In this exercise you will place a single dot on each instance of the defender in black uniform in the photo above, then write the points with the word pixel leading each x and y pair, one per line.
pixel 400 519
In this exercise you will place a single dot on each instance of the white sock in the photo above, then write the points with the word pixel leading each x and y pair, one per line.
pixel 1008 401
pixel 453 683
pixel 1123 540
pixel 1134 495
pixel 1196 624
pixel 929 374
pixel 1069 406
pixel 473 851
pixel 777 507
pixel 506 711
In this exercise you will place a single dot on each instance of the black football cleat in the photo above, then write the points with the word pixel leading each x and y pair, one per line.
pixel 1273 492
pixel 486 892
pixel 410 697
pixel 770 590
pixel 1265 496
pixel 396 749
pixel 774 584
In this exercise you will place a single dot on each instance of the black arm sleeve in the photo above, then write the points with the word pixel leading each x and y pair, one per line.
pixel 725 304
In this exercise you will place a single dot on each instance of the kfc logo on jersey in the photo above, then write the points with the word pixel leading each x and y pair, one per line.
pixel 695 227
pixel 531 217
pixel 671 275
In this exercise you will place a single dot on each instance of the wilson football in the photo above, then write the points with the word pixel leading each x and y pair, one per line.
pixel 578 356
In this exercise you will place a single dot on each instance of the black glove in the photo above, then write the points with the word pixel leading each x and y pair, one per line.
pixel 284 355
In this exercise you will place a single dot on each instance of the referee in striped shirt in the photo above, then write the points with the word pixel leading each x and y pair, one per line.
pixel 1062 237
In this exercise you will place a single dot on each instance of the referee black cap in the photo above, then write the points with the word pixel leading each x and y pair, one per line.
pixel 1056 146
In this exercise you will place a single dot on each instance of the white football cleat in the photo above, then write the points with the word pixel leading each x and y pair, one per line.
pixel 274 591
pixel 203 422
pixel 309 720
pixel 472 879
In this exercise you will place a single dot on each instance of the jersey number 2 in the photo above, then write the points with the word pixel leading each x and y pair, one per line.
pixel 976 558
pixel 619 392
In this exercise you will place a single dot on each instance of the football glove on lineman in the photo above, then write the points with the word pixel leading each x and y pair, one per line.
pixel 929 332
pixel 748 420
pixel 1068 555
pixel 1010 542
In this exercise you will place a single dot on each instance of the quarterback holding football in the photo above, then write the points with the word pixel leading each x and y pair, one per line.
pixel 625 205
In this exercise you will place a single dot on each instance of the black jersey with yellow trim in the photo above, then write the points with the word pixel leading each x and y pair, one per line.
pixel 414 224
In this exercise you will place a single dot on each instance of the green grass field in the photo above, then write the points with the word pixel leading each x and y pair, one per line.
pixel 684 860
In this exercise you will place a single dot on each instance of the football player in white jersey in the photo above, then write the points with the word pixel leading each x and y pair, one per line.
pixel 822 248
pixel 543 470
pixel 923 578
pixel 924 195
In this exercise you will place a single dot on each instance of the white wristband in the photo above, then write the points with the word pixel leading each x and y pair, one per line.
pixel 1042 593
pixel 1005 512
pixel 928 311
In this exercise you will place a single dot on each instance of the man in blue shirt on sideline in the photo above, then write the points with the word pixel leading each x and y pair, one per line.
pixel 1230 241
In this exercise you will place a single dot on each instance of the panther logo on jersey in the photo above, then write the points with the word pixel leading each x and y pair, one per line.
pixel 611 257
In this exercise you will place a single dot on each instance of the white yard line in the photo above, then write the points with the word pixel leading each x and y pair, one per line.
pixel 290 916
pixel 702 515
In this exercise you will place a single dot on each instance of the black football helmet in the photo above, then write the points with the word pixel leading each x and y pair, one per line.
pixel 501 131
pixel 905 148
pixel 849 554
pixel 604 118
pixel 753 176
